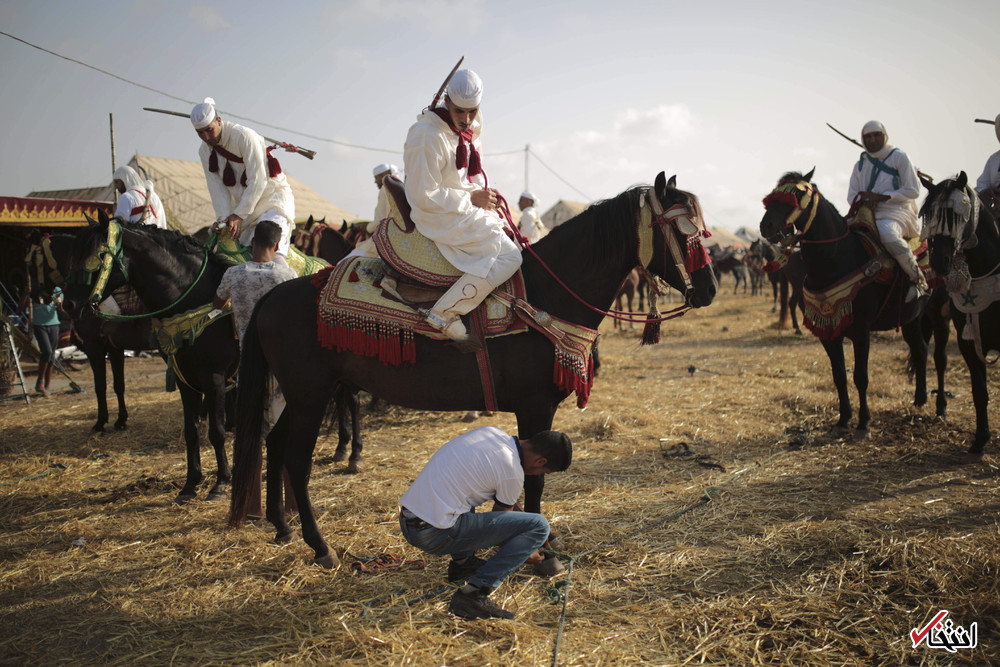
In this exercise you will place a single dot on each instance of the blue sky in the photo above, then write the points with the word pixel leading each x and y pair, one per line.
pixel 727 95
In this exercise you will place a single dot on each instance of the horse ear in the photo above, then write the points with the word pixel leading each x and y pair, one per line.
pixel 103 218
pixel 808 177
pixel 926 182
pixel 660 183
pixel 90 221
pixel 962 181
pixel 672 183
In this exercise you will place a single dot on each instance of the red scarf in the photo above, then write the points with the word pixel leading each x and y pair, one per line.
pixel 466 154
pixel 228 177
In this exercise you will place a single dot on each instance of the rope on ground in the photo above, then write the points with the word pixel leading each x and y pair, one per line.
pixel 561 588
pixel 59 468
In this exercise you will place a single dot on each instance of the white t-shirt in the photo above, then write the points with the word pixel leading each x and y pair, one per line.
pixel 476 467
pixel 990 178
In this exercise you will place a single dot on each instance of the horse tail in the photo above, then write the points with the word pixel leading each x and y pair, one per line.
pixel 250 399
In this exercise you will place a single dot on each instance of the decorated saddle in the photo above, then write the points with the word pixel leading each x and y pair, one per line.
pixel 370 306
pixel 828 312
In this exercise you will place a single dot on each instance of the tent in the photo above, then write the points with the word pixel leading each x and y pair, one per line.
pixel 723 238
pixel 182 188
pixel 562 211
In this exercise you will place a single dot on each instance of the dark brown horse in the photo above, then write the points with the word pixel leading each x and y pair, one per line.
pixel 102 341
pixel 833 252
pixel 172 274
pixel 965 249
pixel 591 255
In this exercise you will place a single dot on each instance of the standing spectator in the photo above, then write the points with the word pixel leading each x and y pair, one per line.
pixel 45 309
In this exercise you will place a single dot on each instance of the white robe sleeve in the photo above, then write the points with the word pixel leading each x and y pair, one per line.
pixel 909 184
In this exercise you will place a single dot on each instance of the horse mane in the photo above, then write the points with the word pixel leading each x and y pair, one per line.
pixel 174 242
pixel 608 224
pixel 935 193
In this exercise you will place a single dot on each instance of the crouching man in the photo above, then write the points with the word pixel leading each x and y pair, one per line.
pixel 437 513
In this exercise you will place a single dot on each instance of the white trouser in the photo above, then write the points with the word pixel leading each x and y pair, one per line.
pixel 272 214
pixel 891 232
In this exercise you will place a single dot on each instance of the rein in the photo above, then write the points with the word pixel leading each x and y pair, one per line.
pixel 110 253
pixel 646 220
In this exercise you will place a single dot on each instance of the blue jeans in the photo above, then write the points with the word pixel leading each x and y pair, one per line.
pixel 518 534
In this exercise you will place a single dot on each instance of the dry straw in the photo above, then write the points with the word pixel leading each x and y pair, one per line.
pixel 822 552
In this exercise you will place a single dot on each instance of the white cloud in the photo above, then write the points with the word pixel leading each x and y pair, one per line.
pixel 208 19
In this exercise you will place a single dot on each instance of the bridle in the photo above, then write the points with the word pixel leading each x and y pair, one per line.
pixel 804 198
pixel 105 258
pixel 678 218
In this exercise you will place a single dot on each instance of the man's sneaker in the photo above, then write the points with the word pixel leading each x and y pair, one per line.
pixel 462 571
pixel 476 605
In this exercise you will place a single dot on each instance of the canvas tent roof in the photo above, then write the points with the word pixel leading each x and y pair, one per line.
pixel 184 193
pixel 723 238
pixel 562 211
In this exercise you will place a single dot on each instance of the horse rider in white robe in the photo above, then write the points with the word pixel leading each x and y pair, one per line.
pixel 137 202
pixel 531 226
pixel 988 185
pixel 451 202
pixel 886 180
pixel 245 182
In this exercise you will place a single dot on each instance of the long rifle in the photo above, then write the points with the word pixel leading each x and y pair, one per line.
pixel 305 152
pixel 437 97
pixel 983 120
pixel 851 139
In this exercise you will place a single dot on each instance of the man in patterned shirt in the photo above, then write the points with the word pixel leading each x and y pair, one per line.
pixel 245 284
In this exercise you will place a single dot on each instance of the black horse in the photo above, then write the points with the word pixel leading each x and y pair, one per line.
pixel 99 339
pixel 590 254
pixel 727 260
pixel 172 274
pixel 833 254
pixel 965 249
pixel 786 279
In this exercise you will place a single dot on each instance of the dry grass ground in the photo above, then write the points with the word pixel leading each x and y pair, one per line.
pixel 809 551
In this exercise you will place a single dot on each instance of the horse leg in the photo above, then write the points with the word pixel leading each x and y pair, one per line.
pixel 941 324
pixel 191 402
pixel 95 357
pixel 303 429
pixel 914 337
pixel 835 351
pixel 340 409
pixel 276 441
pixel 216 398
pixel 117 359
pixel 528 424
pixel 980 399
pixel 862 348
pixel 353 399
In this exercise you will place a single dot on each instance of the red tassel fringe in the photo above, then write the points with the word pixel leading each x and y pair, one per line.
pixel 651 332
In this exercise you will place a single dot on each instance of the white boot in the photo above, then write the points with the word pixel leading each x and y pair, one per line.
pixel 460 299
pixel 908 263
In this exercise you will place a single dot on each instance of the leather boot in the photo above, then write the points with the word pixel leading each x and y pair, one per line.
pixel 460 299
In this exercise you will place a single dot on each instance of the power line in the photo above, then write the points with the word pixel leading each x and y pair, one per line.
pixel 270 125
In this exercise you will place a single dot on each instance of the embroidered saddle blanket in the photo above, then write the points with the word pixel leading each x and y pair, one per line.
pixel 357 313
pixel 828 312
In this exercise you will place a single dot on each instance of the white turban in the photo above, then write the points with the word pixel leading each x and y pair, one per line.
pixel 528 195
pixel 465 89
pixel 381 169
pixel 874 126
pixel 130 178
pixel 203 114
pixel 996 125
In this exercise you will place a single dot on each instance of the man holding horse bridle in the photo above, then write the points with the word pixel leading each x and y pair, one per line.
pixel 452 204
pixel 886 181
pixel 988 185
pixel 438 515
pixel 258 192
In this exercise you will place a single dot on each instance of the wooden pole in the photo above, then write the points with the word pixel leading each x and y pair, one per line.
pixel 114 165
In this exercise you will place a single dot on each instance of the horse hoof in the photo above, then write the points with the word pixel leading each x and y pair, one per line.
pixel 97 430
pixel 328 561
pixel 353 468
pixel 862 434
pixel 549 567
pixel 838 432
pixel 339 456
pixel 282 538
pixel 218 492
pixel 971 457
pixel 184 497
pixel 121 427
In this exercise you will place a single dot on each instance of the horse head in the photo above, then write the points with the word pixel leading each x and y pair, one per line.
pixel 97 265
pixel 790 209
pixel 685 264
pixel 950 214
